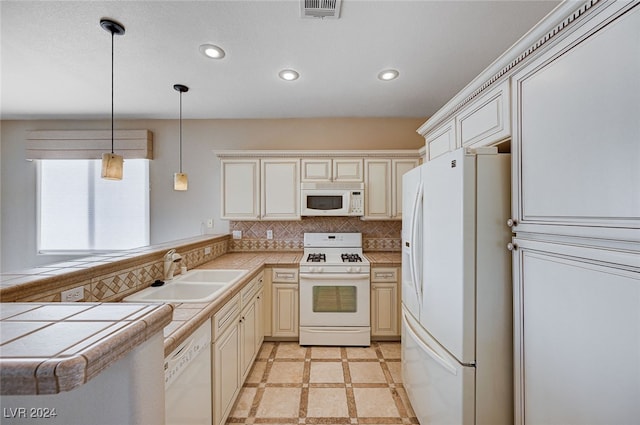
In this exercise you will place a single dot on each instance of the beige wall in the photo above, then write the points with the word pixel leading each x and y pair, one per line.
pixel 176 215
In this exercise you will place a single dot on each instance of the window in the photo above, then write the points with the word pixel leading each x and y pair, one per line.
pixel 80 212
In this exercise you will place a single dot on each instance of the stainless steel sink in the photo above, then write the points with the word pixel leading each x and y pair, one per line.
pixel 196 286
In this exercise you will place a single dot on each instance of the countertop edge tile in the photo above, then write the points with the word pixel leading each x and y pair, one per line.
pixel 33 376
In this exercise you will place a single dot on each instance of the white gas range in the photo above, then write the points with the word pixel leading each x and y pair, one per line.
pixel 334 290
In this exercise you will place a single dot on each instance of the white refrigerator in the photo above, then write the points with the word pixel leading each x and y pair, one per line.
pixel 457 350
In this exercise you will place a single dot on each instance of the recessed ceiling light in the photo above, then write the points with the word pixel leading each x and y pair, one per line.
pixel 212 51
pixel 289 74
pixel 388 74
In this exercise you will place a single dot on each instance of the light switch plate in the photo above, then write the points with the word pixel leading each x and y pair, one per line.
pixel 269 234
pixel 237 234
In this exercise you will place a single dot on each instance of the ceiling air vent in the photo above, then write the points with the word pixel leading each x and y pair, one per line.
pixel 320 8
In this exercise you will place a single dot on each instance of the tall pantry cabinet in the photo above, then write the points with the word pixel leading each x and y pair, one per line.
pixel 576 218
pixel 565 100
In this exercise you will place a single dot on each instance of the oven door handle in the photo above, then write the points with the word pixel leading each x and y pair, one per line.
pixel 334 276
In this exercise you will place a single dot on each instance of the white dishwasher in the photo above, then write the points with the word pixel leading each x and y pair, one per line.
pixel 187 380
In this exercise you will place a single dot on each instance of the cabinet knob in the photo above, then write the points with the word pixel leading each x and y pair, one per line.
pixel 511 222
pixel 512 246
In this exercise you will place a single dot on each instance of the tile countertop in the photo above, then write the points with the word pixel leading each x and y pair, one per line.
pixel 188 317
pixel 48 348
pixel 384 258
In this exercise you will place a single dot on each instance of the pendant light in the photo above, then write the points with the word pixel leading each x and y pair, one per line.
pixel 180 180
pixel 111 163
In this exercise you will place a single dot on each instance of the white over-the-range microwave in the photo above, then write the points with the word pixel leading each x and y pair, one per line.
pixel 332 199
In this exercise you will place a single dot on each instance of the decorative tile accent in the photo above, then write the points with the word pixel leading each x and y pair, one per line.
pixel 291 384
pixel 288 235
pixel 117 285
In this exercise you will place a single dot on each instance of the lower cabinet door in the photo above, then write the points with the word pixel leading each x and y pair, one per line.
pixel 577 334
pixel 226 372
pixel 248 337
pixel 384 314
pixel 285 310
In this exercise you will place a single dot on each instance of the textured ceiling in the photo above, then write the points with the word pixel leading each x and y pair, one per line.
pixel 55 57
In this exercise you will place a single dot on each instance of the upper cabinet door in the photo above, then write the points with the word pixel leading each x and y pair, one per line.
pixel 486 120
pixel 327 170
pixel 400 166
pixel 441 140
pixel 316 170
pixel 347 170
pixel 240 189
pixel 576 138
pixel 377 184
pixel 280 189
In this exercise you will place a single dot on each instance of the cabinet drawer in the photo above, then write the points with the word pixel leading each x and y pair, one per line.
pixel 247 293
pixel 225 316
pixel 384 274
pixel 284 275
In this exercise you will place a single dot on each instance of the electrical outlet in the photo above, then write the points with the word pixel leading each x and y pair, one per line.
pixel 207 250
pixel 269 234
pixel 210 223
pixel 72 295
pixel 237 234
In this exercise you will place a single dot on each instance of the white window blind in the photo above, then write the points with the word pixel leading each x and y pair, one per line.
pixel 80 212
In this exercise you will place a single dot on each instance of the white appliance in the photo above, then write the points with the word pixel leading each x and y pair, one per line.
pixel 187 380
pixel 456 289
pixel 334 291
pixel 332 199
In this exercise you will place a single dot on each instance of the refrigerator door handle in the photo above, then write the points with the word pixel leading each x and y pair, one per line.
pixel 414 230
pixel 428 350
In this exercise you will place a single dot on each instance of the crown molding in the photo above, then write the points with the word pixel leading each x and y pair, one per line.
pixel 545 33
pixel 396 153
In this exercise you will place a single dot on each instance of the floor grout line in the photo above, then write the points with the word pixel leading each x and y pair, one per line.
pixel 376 397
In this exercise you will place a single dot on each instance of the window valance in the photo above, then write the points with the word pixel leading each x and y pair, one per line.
pixel 88 144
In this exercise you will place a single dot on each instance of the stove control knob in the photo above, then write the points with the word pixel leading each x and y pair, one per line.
pixel 353 269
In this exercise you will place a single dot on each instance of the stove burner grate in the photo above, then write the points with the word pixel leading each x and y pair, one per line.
pixel 351 258
pixel 316 258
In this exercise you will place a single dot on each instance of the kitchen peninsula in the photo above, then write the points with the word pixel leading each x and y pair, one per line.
pixel 117 321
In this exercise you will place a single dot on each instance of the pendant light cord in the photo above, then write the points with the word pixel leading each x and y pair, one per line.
pixel 180 132
pixel 112 36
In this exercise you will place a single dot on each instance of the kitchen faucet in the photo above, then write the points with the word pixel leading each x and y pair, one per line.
pixel 171 260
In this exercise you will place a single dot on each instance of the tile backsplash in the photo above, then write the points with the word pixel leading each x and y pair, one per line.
pixel 288 235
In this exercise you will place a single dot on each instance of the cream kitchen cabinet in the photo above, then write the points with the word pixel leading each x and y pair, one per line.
pixel 577 333
pixel 280 189
pixel 576 140
pixel 486 120
pixel 260 189
pixel 399 167
pixel 383 187
pixel 385 299
pixel 240 189
pixel 285 303
pixel 237 333
pixel 331 170
pixel 441 140
pixel 226 353
pixel 251 325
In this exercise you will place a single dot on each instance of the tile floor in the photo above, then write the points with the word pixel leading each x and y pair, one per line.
pixel 289 384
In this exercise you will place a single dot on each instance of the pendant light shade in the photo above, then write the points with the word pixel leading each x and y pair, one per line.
pixel 112 164
pixel 180 180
